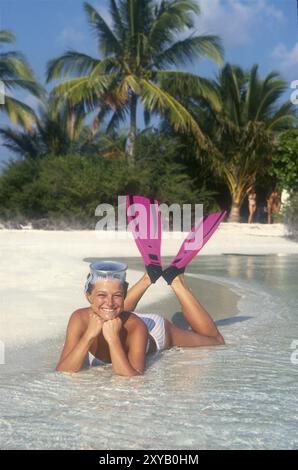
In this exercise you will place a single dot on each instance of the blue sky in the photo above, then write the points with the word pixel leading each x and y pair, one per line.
pixel 253 31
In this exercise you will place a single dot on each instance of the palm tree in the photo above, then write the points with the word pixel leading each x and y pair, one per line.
pixel 244 130
pixel 60 132
pixel 54 132
pixel 136 50
pixel 15 73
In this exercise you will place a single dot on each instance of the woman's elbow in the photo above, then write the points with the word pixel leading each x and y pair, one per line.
pixel 60 368
pixel 220 339
pixel 134 373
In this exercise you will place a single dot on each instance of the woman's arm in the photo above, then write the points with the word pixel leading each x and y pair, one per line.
pixel 133 363
pixel 136 292
pixel 78 342
pixel 74 360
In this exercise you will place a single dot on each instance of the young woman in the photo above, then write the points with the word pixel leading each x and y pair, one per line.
pixel 110 331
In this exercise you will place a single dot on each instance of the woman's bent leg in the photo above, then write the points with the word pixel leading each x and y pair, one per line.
pixel 136 292
pixel 175 336
pixel 196 316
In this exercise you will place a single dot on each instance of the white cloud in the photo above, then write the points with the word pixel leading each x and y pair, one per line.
pixel 236 20
pixel 71 37
pixel 78 35
pixel 287 60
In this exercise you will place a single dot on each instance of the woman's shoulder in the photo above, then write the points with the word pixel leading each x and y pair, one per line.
pixel 132 321
pixel 80 315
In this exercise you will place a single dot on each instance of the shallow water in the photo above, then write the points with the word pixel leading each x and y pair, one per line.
pixel 239 396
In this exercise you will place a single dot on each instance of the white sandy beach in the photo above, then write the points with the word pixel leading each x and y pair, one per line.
pixel 250 383
pixel 42 273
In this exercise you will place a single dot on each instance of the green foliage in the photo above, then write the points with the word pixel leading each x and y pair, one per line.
pixel 17 195
pixel 169 180
pixel 16 74
pixel 243 132
pixel 139 48
pixel 55 132
pixel 72 186
pixel 291 215
pixel 67 186
pixel 285 161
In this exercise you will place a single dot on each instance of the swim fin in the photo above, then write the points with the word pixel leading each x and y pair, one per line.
pixel 193 243
pixel 145 223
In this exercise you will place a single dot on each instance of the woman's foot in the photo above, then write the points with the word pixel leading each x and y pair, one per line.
pixel 171 273
pixel 154 272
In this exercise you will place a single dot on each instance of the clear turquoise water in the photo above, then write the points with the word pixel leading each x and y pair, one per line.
pixel 239 396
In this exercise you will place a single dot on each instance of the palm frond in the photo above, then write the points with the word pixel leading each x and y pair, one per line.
pixel 5 56
pixel 71 62
pixel 118 25
pixel 253 94
pixel 34 88
pixel 21 143
pixel 172 17
pixel 231 86
pixel 186 84
pixel 272 88
pixel 19 113
pixel 103 111
pixel 190 49
pixel 7 36
pixel 283 118
pixel 14 65
pixel 119 116
pixel 155 99
pixel 107 65
pixel 82 90
pixel 132 83
pixel 107 41
pixel 147 117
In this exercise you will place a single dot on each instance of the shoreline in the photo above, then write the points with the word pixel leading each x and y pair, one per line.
pixel 230 238
pixel 42 274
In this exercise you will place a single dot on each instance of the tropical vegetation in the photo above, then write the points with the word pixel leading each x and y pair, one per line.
pixel 16 74
pixel 284 166
pixel 214 140
pixel 137 51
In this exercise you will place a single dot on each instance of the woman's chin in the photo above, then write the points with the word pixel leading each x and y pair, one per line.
pixel 108 316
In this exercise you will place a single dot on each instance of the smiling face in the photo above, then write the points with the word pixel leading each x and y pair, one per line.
pixel 107 299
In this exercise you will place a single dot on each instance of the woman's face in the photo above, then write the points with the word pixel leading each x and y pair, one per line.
pixel 107 299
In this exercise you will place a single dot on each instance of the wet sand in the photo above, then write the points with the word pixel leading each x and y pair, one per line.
pixel 237 396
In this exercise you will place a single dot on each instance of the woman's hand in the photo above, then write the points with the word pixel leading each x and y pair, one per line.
pixel 111 329
pixel 94 326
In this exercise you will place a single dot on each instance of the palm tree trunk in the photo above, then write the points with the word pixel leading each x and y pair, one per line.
pixel 70 123
pixel 238 193
pixel 235 212
pixel 237 199
pixel 133 131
